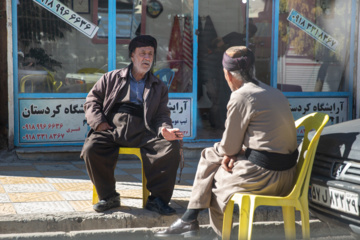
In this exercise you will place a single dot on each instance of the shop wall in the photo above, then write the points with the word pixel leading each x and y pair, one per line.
pixel 3 72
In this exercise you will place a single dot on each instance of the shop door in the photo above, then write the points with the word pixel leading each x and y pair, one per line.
pixel 223 24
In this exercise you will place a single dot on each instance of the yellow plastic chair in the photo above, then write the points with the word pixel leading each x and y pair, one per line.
pixel 297 198
pixel 145 191
pixel 56 85
pixel 35 83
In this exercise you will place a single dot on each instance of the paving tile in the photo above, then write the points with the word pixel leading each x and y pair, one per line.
pixel 17 168
pixel 129 202
pixel 133 170
pixel 77 195
pixel 57 173
pixel 36 197
pixel 19 188
pixel 7 209
pixel 175 204
pixel 190 182
pixel 188 170
pixel 128 185
pixel 56 167
pixel 73 186
pixel 82 206
pixel 192 164
pixel 126 178
pixel 68 179
pixel 22 180
pixel 39 163
pixel 4 198
pixel 183 203
pixel 123 161
pixel 181 193
pixel 20 164
pixel 138 176
pixel 119 172
pixel 80 166
pixel 129 165
pixel 43 207
pixel 131 193
pixel 20 173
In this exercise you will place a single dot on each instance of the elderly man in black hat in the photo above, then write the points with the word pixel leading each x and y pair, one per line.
pixel 128 108
pixel 257 152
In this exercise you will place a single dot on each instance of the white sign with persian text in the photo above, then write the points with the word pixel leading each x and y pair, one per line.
pixel 52 120
pixel 180 109
pixel 336 108
pixel 69 16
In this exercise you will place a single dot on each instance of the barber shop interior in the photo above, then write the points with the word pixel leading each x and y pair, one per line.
pixel 305 48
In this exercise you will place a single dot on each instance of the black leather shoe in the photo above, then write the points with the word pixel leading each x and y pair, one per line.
pixel 180 228
pixel 158 205
pixel 110 202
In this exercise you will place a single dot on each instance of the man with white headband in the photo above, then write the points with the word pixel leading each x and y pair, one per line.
pixel 257 152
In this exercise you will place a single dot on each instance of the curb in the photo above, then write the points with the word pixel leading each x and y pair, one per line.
pixel 261 230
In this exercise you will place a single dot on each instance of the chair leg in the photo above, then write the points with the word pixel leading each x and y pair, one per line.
pixel 145 191
pixel 95 198
pixel 227 221
pixel 305 222
pixel 251 217
pixel 289 222
pixel 245 227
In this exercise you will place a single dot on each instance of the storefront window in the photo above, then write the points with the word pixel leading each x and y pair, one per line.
pixel 171 23
pixel 260 14
pixel 222 24
pixel 55 49
pixel 314 45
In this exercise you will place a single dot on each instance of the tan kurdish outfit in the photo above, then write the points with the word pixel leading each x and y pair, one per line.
pixel 259 118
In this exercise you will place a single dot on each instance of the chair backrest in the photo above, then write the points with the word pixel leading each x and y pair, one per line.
pixel 313 121
pixel 36 83
pixel 166 75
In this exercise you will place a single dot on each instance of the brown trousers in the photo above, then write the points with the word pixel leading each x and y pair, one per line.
pixel 160 157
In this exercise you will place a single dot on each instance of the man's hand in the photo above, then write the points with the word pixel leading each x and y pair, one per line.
pixel 228 162
pixel 172 134
pixel 103 126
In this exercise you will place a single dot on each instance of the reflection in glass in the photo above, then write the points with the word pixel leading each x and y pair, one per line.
pixel 307 62
pixel 53 56
pixel 220 27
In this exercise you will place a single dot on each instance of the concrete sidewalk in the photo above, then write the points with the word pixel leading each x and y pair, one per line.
pixel 52 200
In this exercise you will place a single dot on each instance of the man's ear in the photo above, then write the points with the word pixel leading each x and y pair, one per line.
pixel 228 75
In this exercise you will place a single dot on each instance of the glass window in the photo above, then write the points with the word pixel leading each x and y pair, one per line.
pixel 314 46
pixel 260 14
pixel 171 23
pixel 128 20
pixel 55 56
pixel 222 24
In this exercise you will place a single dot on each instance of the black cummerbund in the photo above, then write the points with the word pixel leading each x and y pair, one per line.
pixel 130 108
pixel 272 161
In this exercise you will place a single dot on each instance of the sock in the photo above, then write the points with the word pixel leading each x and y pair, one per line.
pixel 190 215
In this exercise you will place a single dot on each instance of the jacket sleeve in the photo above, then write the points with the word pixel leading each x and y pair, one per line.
pixel 93 106
pixel 162 117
